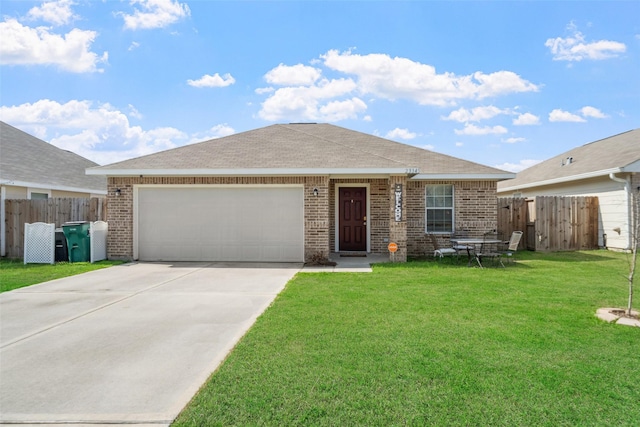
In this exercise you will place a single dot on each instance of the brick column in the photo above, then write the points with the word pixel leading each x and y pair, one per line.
pixel 398 218
pixel 316 219
pixel 120 219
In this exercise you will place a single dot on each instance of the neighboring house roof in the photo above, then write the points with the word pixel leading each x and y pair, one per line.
pixel 27 161
pixel 616 154
pixel 301 149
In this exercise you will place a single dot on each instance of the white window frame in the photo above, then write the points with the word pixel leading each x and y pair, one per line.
pixel 38 191
pixel 452 208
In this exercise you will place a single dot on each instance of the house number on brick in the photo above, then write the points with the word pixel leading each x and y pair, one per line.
pixel 398 209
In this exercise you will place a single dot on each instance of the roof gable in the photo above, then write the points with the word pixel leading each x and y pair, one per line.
pixel 27 159
pixel 298 147
pixel 618 153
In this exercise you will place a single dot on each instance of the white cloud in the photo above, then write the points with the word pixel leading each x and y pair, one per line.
pixel 335 111
pixel 477 114
pixel 133 45
pixel 518 167
pixel 402 78
pixel 398 133
pixel 475 130
pixel 263 90
pixel 592 112
pixel 459 144
pixel 212 81
pixel 367 119
pixel 513 140
pixel 22 45
pixel 305 94
pixel 558 115
pixel 575 48
pixel 133 112
pixel 296 75
pixel 501 83
pixel 526 119
pixel 54 12
pixel 155 14
pixel 99 132
pixel 304 102
pixel 215 132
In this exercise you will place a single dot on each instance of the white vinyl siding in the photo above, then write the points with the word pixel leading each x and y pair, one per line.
pixel 35 194
pixel 613 210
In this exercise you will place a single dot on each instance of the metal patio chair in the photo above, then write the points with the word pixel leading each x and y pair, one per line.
pixel 514 241
pixel 489 250
pixel 439 251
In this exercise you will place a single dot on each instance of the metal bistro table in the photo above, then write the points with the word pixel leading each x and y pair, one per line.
pixel 474 242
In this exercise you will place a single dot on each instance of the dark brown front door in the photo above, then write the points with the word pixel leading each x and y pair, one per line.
pixel 353 219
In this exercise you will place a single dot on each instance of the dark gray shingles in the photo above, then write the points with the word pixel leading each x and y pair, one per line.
pixel 25 158
pixel 302 146
pixel 614 152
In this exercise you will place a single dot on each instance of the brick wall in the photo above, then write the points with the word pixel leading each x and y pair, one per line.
pixel 378 221
pixel 120 219
pixel 475 203
pixel 475 210
pixel 398 229
pixel 120 213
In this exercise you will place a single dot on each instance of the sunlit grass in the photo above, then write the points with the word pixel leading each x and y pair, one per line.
pixel 15 274
pixel 428 343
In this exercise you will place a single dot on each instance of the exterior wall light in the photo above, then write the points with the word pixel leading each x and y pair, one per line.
pixel 118 192
pixel 315 192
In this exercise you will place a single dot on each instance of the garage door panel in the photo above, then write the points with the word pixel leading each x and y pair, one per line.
pixel 220 224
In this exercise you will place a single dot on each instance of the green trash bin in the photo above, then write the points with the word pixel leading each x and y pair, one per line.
pixel 78 241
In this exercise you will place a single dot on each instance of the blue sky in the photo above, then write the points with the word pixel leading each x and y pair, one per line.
pixel 506 84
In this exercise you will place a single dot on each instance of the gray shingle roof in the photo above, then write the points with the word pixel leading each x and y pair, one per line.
pixel 615 152
pixel 301 146
pixel 25 158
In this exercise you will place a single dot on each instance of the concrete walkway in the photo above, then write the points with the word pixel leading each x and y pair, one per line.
pixel 130 344
pixel 348 264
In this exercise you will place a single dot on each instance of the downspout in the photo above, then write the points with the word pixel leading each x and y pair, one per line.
pixel 3 231
pixel 627 190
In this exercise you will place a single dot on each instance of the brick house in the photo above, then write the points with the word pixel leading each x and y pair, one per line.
pixel 294 192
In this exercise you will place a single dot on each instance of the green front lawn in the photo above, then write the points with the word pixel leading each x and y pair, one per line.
pixel 429 343
pixel 15 274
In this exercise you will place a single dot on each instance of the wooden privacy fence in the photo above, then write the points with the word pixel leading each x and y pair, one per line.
pixel 19 212
pixel 551 223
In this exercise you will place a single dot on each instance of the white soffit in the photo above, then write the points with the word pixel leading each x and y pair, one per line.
pixel 462 177
pixel 10 183
pixel 564 179
pixel 249 172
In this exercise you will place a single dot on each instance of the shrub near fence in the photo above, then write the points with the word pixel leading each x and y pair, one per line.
pixel 19 212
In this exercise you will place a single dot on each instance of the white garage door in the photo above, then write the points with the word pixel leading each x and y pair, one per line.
pixel 220 224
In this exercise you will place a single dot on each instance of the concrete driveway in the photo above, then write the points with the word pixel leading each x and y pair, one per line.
pixel 128 344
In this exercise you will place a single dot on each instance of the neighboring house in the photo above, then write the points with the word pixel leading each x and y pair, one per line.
pixel 34 169
pixel 608 168
pixel 293 192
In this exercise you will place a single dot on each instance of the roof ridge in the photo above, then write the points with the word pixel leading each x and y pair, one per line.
pixel 349 147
